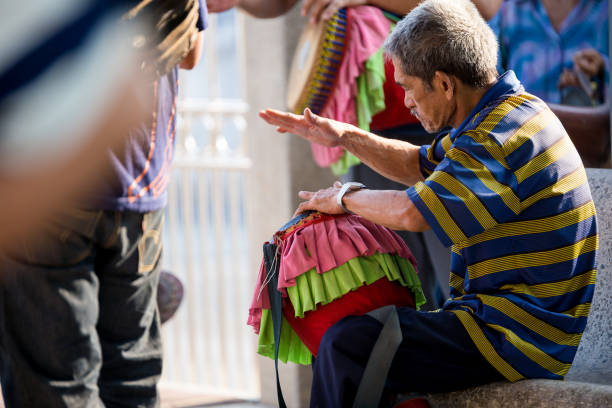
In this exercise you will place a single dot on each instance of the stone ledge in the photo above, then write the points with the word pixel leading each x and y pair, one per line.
pixel 528 393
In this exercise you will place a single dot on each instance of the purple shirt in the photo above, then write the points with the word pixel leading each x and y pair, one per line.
pixel 530 46
pixel 141 167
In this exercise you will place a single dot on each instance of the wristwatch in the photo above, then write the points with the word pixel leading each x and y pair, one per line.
pixel 350 186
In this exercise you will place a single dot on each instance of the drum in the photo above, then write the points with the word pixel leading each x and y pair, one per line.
pixel 339 72
pixel 174 23
pixel 315 65
pixel 327 267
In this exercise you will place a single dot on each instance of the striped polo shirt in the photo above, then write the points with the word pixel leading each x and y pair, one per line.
pixel 508 193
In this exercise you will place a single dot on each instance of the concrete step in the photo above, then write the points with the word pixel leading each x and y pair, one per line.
pixel 528 394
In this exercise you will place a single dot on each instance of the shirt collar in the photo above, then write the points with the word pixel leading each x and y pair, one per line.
pixel 507 84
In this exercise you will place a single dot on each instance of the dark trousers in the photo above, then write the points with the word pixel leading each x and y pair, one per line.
pixel 79 325
pixel 436 355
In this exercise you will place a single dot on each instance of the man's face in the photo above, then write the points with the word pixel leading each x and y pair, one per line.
pixel 430 105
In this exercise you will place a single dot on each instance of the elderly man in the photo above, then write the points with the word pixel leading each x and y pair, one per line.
pixel 505 189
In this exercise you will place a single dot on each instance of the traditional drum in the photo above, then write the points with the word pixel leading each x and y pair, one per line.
pixel 174 24
pixel 324 268
pixel 316 62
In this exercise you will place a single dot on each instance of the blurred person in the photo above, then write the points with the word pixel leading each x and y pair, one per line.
pixel 63 101
pixel 79 323
pixel 560 52
pixel 505 189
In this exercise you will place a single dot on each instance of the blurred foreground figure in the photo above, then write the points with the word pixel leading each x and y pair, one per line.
pixel 70 88
pixel 79 322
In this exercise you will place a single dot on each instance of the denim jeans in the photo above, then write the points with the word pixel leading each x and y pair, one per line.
pixel 79 325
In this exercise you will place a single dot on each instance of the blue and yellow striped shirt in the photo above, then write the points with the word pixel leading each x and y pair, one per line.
pixel 508 192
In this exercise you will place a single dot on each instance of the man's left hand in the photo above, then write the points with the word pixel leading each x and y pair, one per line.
pixel 323 200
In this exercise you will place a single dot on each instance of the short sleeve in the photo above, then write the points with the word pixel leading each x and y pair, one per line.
pixel 431 155
pixel 468 192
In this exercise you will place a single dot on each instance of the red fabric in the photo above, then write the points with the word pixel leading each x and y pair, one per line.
pixel 395 113
pixel 419 402
pixel 314 324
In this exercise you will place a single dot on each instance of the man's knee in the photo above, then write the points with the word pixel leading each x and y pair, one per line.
pixel 351 335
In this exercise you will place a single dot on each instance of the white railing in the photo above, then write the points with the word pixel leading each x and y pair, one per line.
pixel 207 345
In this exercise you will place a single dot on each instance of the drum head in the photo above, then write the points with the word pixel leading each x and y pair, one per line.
pixel 305 61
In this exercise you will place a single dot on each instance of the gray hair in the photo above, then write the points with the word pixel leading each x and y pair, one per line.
pixel 448 36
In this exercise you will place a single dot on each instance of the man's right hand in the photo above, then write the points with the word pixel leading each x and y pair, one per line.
pixel 314 128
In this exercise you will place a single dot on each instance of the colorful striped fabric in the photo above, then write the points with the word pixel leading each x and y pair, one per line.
pixel 508 191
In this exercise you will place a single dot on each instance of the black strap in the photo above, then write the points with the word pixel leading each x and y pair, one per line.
pixel 272 268
pixel 375 374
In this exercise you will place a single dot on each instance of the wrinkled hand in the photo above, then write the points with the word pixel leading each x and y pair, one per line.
pixel 217 6
pixel 323 200
pixel 589 61
pixel 314 128
pixel 323 10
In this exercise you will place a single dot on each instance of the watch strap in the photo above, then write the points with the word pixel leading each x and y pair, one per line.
pixel 346 187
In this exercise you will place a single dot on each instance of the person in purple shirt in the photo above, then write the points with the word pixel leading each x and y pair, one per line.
pixel 79 323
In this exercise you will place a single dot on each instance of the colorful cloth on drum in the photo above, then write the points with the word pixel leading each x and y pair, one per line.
pixel 323 262
pixel 508 192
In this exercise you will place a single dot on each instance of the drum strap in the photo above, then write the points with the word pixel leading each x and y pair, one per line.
pixel 375 374
pixel 272 268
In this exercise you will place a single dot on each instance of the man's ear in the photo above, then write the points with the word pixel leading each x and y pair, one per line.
pixel 444 82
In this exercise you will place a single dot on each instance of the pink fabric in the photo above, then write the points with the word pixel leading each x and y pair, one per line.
pixel 325 245
pixel 325 156
pixel 368 28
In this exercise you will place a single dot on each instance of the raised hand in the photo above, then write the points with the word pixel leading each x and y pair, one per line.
pixel 311 127
pixel 325 9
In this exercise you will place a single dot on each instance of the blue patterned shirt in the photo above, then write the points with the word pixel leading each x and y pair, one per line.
pixel 530 46
pixel 508 192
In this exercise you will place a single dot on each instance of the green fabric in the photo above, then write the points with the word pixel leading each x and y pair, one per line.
pixel 370 98
pixel 291 347
pixel 313 289
pixel 393 17
pixel 345 162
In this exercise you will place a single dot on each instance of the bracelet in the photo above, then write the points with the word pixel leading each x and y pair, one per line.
pixel 346 187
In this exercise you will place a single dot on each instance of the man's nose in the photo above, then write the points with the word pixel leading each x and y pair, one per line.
pixel 409 102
